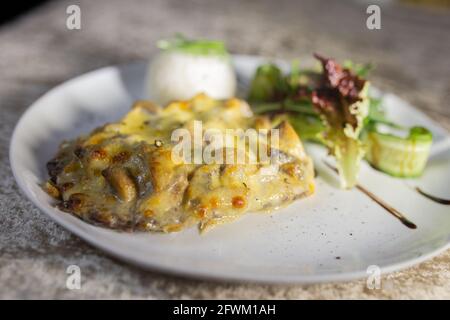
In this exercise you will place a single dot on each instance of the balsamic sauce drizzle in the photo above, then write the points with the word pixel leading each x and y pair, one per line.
pixel 379 201
pixel 433 198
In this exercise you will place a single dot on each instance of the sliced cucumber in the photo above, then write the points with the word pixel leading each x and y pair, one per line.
pixel 397 156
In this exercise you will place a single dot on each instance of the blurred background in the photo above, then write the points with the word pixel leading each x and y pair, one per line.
pixel 37 52
pixel 410 50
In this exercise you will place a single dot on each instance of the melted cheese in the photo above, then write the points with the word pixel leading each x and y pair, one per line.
pixel 122 175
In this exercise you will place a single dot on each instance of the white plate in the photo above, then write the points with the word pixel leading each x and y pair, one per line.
pixel 333 235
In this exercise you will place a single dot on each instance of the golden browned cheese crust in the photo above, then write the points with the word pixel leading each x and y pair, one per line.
pixel 122 175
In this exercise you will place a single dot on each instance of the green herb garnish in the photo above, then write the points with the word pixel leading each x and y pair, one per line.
pixel 195 47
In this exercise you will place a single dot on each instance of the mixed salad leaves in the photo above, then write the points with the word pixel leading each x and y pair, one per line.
pixel 333 107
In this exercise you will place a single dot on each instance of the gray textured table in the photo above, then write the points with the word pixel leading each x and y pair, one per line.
pixel 37 52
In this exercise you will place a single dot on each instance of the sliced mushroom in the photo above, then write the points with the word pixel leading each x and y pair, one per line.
pixel 122 183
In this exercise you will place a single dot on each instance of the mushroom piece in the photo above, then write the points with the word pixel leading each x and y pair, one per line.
pixel 122 183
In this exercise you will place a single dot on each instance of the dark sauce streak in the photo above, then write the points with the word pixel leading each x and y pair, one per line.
pixel 387 207
pixel 433 198
pixel 391 210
